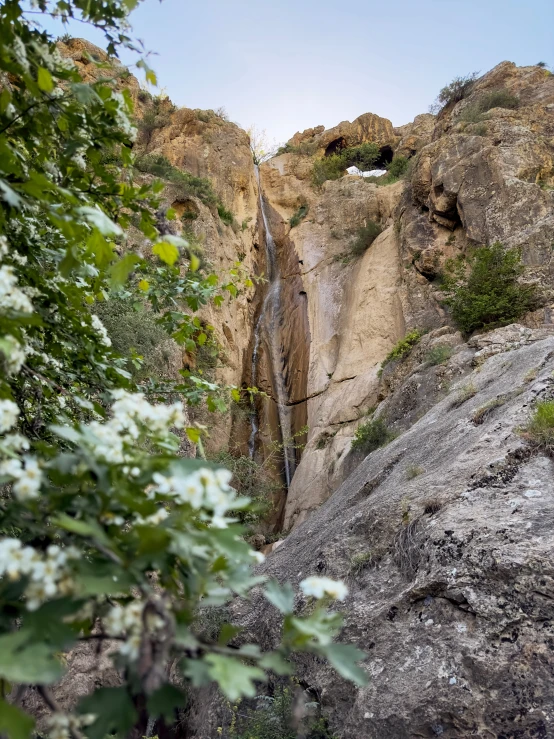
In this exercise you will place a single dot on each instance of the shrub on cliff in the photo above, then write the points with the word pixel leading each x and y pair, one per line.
pixel 371 435
pixel 457 90
pixel 540 430
pixel 484 290
pixel 328 168
pixel 404 346
pixel 365 237
pixel 185 182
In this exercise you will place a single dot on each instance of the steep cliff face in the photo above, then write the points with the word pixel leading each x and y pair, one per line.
pixel 480 173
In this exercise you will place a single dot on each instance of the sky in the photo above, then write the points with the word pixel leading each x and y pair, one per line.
pixel 288 65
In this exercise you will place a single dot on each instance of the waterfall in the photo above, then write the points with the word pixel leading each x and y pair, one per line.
pixel 269 324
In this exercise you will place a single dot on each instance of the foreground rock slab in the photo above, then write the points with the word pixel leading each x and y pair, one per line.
pixel 454 604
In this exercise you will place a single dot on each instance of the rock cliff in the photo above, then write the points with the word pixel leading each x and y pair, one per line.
pixel 444 535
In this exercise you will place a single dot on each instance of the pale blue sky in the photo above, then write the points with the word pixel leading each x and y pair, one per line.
pixel 287 65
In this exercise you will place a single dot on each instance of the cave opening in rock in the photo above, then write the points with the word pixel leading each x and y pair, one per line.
pixel 335 147
pixel 385 157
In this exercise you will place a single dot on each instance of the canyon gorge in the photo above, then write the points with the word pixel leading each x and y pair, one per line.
pixel 445 534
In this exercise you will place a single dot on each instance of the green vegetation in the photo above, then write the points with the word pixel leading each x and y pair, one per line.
pixel 157 115
pixel 365 237
pixel 305 148
pixel 371 435
pixel 474 113
pixel 185 183
pixel 482 413
pixel 106 529
pixel 399 166
pixel 328 168
pixel 360 561
pixel 404 346
pixel 333 167
pixel 256 481
pixel 414 471
pixel 225 215
pixel 278 717
pixel 133 331
pixel 363 156
pixel 438 354
pixel 540 430
pixel 485 290
pixel 466 392
pixel 457 90
pixel 301 213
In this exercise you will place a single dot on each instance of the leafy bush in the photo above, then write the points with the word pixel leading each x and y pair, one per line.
pixel 452 93
pixel 540 430
pixel 107 533
pixel 371 435
pixel 363 156
pixel 185 182
pixel 495 99
pixel 333 167
pixel 399 166
pixel 256 481
pixel 485 290
pixel 136 332
pixel 276 717
pixel 498 99
pixel 328 168
pixel 225 215
pixel 404 346
pixel 306 148
pixel 438 354
pixel 365 237
pixel 301 213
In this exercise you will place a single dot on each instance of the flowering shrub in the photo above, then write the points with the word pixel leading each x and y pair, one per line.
pixel 106 534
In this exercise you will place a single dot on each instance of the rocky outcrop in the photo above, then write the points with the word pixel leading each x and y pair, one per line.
pixel 366 128
pixel 471 183
pixel 453 603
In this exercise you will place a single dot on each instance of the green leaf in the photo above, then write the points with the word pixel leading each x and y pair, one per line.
pixel 274 662
pixel 24 662
pixel 98 219
pixel 234 678
pixel 165 701
pixel 122 269
pixel 88 529
pixel 14 722
pixel 115 713
pixel 343 657
pixel 44 79
pixel 167 252
pixel 282 597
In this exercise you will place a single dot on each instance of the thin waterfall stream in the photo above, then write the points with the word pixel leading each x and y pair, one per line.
pixel 269 324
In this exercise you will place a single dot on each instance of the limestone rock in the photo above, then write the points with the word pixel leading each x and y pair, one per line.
pixel 454 609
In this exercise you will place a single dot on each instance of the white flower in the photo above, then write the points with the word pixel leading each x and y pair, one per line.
pixel 318 587
pixel 8 415
pixel 15 442
pixel 28 481
pixel 100 329
pixel 11 297
pixel 14 353
pixel 258 556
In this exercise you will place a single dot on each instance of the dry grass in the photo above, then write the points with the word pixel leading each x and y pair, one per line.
pixel 466 392
pixel 406 549
pixel 414 471
pixel 482 413
pixel 431 506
